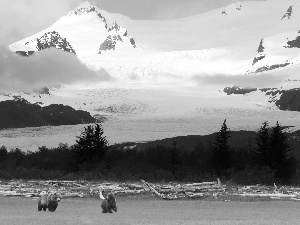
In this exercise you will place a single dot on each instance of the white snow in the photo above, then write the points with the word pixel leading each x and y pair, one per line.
pixel 160 88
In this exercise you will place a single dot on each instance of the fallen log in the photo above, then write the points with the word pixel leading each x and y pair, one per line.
pixel 152 189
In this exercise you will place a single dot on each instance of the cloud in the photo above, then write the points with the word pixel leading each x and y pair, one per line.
pixel 22 18
pixel 45 68
pixel 133 76
pixel 261 80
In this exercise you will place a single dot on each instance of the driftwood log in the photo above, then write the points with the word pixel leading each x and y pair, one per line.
pixel 70 189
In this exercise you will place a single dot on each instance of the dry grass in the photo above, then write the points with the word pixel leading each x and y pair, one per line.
pixel 132 210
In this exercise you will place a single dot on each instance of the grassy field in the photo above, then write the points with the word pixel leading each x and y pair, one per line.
pixel 131 210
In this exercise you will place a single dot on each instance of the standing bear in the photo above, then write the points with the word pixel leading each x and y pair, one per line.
pixel 109 203
pixel 49 201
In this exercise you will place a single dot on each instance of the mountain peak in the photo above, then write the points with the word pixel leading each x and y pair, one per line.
pixel 82 32
pixel 85 4
pixel 83 8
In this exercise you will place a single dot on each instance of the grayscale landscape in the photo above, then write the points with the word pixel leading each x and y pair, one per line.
pixel 199 98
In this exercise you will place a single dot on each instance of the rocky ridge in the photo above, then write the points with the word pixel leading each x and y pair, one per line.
pixel 52 40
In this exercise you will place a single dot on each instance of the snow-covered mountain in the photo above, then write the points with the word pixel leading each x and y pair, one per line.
pixel 246 38
pixel 238 61
pixel 282 49
pixel 84 31
pixel 278 51
pixel 101 40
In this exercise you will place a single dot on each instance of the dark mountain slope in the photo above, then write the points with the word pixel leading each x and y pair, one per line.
pixel 238 140
pixel 20 113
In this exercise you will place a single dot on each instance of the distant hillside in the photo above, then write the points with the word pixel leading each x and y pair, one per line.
pixel 20 113
pixel 237 139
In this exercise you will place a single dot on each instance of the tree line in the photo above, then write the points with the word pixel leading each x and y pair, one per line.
pixel 92 158
pixel 270 160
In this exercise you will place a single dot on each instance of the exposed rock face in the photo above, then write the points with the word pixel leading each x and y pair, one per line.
pixel 289 100
pixel 286 99
pixel 260 47
pixel 25 53
pixel 261 55
pixel 132 42
pixel 98 26
pixel 238 90
pixel 288 13
pixel 294 43
pixel 20 113
pixel 110 43
pixel 257 58
pixel 260 51
pixel 117 34
pixel 53 39
pixel 266 68
pixel 115 27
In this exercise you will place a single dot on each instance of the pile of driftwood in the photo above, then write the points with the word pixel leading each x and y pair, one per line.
pixel 167 191
pixel 273 192
pixel 195 190
pixel 85 189
pixel 65 188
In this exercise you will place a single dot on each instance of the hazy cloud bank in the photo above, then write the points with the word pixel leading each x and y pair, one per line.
pixel 249 80
pixel 45 68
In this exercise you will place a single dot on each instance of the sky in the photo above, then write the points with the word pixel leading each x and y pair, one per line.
pixel 22 18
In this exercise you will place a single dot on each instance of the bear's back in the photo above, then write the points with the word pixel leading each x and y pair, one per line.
pixel 43 199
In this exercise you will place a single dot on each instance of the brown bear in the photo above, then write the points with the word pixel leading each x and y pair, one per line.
pixel 49 201
pixel 109 203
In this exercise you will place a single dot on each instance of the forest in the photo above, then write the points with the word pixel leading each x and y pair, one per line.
pixel 268 160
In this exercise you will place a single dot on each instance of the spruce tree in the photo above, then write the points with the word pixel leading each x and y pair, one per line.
pixel 262 142
pixel 3 153
pixel 221 158
pixel 91 145
pixel 280 156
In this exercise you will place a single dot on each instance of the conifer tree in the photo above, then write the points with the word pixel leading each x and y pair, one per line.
pixel 221 158
pixel 3 153
pixel 262 142
pixel 280 156
pixel 91 145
